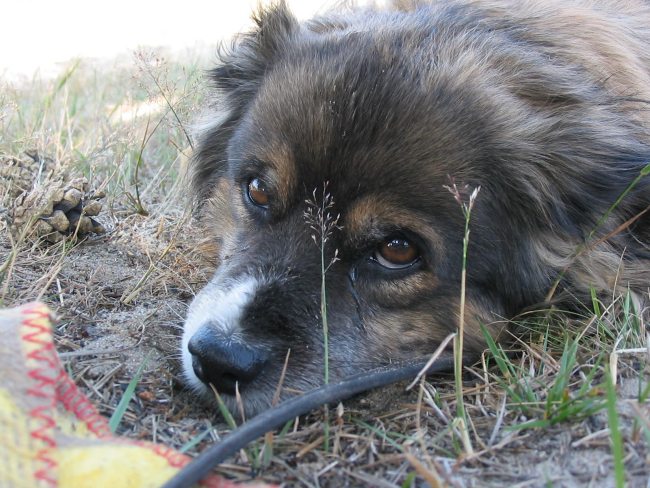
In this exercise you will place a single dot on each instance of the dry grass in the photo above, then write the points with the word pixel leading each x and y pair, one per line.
pixel 535 418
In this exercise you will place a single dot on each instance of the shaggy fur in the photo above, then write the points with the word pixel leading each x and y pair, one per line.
pixel 543 104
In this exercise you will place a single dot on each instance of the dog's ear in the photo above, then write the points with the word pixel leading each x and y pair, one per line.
pixel 252 53
pixel 236 80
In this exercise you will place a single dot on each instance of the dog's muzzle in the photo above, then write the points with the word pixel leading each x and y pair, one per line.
pixel 223 361
pixel 214 350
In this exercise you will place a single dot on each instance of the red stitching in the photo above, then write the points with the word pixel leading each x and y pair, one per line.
pixel 76 403
pixel 44 381
pixel 59 387
pixel 174 458
pixel 47 423
pixel 43 474
pixel 45 373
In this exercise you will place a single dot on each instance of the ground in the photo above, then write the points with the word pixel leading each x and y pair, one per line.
pixel 121 296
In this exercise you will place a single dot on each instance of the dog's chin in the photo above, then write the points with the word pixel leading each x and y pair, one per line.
pixel 252 400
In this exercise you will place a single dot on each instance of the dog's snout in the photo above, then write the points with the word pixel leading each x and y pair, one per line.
pixel 223 361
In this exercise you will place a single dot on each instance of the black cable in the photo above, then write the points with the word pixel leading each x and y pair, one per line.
pixel 275 417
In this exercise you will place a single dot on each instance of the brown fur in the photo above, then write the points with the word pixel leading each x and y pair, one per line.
pixel 543 104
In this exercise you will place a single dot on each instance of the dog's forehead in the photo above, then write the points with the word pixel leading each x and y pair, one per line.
pixel 374 107
pixel 352 121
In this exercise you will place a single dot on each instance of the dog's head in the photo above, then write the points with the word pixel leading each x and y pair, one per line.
pixel 324 177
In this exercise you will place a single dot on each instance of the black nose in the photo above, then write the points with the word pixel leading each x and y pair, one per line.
pixel 223 361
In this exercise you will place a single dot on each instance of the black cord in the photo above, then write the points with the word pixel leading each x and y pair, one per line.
pixel 275 417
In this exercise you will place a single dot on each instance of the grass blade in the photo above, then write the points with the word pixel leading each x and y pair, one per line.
pixel 120 410
pixel 615 433
pixel 196 439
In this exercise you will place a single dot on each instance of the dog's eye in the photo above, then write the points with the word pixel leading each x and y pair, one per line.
pixel 258 193
pixel 396 252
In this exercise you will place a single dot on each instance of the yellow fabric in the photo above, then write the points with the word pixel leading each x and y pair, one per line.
pixel 16 452
pixel 50 434
pixel 95 467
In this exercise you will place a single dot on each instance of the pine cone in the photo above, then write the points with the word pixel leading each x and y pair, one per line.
pixel 19 174
pixel 55 207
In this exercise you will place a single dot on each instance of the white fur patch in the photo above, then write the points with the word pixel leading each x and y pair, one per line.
pixel 219 307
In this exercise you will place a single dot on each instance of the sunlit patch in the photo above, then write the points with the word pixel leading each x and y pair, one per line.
pixel 130 110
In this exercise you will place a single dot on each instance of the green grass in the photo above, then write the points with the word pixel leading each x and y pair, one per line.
pixel 561 377
pixel 79 118
pixel 614 432
pixel 120 410
pixel 466 206
pixel 323 224
pixel 253 452
pixel 195 441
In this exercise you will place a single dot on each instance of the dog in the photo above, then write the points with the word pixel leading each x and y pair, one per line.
pixel 323 181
